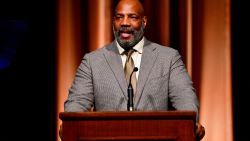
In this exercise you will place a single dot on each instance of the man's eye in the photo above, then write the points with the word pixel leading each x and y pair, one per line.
pixel 118 17
pixel 134 18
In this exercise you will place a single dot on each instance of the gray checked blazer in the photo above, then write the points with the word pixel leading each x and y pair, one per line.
pixel 163 78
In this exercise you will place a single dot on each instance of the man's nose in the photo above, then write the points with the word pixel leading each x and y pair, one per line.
pixel 125 22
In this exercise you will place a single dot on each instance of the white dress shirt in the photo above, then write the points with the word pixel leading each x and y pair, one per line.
pixel 136 55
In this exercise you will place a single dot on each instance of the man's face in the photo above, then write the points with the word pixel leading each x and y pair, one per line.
pixel 128 24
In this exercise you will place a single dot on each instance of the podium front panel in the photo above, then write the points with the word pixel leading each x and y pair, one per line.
pixel 128 126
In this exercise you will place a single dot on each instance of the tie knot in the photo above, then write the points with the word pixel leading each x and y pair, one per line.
pixel 128 53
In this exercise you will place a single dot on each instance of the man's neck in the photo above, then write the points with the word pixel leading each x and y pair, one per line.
pixel 137 47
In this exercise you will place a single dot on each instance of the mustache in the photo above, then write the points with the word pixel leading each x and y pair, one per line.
pixel 126 30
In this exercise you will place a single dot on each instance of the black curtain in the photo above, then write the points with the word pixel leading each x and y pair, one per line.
pixel 241 69
pixel 27 72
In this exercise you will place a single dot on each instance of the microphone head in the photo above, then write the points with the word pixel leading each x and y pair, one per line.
pixel 135 69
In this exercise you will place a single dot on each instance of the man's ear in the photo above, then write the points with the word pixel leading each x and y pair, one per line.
pixel 144 20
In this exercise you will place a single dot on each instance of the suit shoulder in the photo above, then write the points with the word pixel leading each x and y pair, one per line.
pixel 98 51
pixel 164 49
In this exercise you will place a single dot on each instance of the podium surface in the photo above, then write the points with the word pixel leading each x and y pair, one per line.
pixel 128 126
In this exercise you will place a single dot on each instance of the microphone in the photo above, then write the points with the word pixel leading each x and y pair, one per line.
pixel 130 106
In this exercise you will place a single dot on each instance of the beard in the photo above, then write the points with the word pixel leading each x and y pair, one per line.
pixel 128 44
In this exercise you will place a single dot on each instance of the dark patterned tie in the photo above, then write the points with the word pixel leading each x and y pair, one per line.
pixel 129 67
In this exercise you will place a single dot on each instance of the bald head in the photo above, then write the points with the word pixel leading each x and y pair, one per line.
pixel 130 4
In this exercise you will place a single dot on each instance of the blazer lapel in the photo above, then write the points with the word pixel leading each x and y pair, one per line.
pixel 148 59
pixel 114 60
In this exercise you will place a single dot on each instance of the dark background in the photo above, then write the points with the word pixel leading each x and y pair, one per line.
pixel 28 69
pixel 241 80
pixel 27 84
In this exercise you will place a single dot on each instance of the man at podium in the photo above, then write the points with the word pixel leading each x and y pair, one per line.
pixel 132 73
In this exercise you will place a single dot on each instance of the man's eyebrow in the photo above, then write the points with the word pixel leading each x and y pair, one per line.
pixel 127 14
pixel 119 14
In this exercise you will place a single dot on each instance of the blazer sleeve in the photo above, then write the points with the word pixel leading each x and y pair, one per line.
pixel 81 97
pixel 181 91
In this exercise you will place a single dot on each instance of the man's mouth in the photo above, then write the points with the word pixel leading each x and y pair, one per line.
pixel 125 35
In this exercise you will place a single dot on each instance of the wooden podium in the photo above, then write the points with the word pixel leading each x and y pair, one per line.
pixel 128 126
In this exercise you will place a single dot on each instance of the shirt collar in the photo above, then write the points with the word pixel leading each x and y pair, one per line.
pixel 138 47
